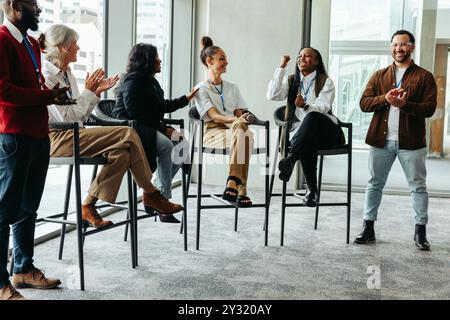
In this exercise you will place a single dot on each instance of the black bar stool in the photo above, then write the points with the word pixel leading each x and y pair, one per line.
pixel 74 163
pixel 344 150
pixel 103 111
pixel 197 131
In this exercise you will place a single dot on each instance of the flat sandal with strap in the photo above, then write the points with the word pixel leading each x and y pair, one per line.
pixel 226 194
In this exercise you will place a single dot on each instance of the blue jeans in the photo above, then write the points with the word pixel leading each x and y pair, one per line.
pixel 413 164
pixel 170 157
pixel 23 169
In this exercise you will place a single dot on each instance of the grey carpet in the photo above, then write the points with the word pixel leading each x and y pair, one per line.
pixel 313 264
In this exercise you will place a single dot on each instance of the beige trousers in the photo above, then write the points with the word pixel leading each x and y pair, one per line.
pixel 240 140
pixel 120 145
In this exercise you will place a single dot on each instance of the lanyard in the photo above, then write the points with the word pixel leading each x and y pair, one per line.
pixel 67 82
pixel 33 58
pixel 220 92
pixel 302 89
pixel 398 84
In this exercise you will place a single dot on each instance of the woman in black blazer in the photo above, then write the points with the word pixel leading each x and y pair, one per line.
pixel 140 98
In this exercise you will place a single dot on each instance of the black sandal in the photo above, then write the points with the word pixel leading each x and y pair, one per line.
pixel 244 202
pixel 234 193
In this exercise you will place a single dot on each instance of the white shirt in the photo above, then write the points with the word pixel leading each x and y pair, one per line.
pixel 13 30
pixel 394 112
pixel 86 101
pixel 278 90
pixel 208 96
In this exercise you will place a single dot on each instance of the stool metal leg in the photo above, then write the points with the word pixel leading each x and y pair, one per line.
pixel 283 212
pixel 349 194
pixel 199 203
pixel 189 174
pixel 318 192
pixel 267 207
pixel 80 237
pixel 184 217
pixel 125 233
pixel 268 191
pixel 134 214
pixel 199 187
pixel 130 218
pixel 275 162
pixel 94 173
pixel 66 210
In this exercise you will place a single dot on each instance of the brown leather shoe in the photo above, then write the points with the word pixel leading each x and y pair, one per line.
pixel 8 292
pixel 34 279
pixel 90 215
pixel 155 200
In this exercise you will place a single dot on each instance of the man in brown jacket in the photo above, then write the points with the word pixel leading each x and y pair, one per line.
pixel 401 96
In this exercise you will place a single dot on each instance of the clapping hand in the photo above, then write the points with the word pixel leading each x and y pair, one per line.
pixel 397 98
pixel 60 96
pixel 106 84
pixel 94 80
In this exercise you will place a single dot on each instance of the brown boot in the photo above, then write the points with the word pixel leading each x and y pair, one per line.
pixel 155 200
pixel 34 279
pixel 8 292
pixel 90 215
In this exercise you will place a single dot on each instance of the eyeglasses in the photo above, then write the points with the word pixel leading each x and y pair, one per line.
pixel 402 44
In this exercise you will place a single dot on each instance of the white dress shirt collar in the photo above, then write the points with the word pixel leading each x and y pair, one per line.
pixel 53 69
pixel 309 77
pixel 13 29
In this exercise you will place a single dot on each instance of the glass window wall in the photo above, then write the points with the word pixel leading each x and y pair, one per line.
pixel 153 26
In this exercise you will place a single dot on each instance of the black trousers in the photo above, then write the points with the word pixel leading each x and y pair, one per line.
pixel 317 131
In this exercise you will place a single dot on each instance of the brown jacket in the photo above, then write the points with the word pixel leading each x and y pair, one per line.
pixel 422 99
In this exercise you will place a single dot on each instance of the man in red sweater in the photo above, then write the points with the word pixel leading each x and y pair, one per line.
pixel 24 144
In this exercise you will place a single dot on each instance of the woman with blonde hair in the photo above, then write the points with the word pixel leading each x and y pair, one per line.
pixel 121 145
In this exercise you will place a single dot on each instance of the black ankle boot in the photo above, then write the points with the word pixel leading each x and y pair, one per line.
pixel 420 237
pixel 310 199
pixel 367 234
pixel 286 166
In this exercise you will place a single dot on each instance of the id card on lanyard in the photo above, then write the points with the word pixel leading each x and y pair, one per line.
pixel 304 92
pixel 220 93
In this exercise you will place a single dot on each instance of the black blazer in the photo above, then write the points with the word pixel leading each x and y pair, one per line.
pixel 140 98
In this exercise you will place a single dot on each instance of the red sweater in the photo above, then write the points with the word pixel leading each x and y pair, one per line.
pixel 23 105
